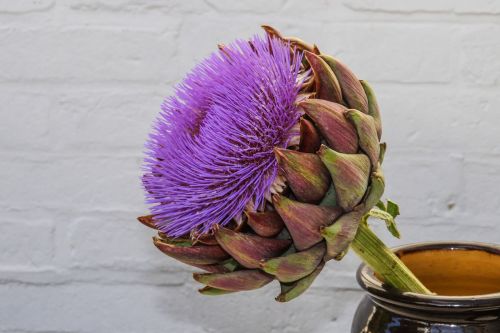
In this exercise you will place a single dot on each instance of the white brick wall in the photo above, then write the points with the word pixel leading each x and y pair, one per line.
pixel 81 81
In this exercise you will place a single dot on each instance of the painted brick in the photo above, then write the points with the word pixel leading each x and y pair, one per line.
pixel 402 52
pixel 26 244
pixel 23 128
pixel 114 6
pixel 257 7
pixel 25 6
pixel 483 7
pixel 86 55
pixel 394 6
pixel 97 122
pixel 480 65
pixel 481 185
pixel 148 308
pixel 439 118
pixel 422 185
pixel 85 182
pixel 426 6
pixel 116 241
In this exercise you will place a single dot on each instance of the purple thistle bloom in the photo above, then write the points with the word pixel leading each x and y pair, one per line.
pixel 211 150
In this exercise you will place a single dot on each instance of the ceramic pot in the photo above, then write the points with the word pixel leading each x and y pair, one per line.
pixel 465 278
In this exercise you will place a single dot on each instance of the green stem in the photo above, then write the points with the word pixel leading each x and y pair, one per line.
pixel 384 262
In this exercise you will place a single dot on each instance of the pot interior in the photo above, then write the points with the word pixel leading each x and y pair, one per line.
pixel 455 271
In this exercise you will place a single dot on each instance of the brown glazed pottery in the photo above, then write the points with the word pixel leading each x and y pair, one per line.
pixel 465 278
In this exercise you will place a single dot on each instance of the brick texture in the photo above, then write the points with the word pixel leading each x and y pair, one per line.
pixel 80 84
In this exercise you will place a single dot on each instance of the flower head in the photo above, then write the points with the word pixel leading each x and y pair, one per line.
pixel 211 152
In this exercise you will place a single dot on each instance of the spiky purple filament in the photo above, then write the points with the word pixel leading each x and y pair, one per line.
pixel 211 151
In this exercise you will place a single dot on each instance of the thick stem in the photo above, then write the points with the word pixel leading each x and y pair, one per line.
pixel 384 262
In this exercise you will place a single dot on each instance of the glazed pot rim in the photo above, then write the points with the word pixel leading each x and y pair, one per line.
pixel 369 282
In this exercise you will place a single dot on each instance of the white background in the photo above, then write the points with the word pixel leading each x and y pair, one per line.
pixel 82 80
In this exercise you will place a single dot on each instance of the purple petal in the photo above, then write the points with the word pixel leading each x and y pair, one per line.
pixel 211 149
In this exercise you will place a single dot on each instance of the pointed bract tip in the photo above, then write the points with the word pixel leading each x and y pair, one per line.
pixel 322 150
pixel 290 291
pixel 209 291
pixel 270 30
pixel 295 266
pixel 309 56
pixel 147 221
pixel 189 254
pixel 303 221
pixel 265 224
pixel 248 249
pixel 310 140
pixel 316 49
pixel 249 279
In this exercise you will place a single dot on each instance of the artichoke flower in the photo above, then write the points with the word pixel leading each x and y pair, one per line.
pixel 263 164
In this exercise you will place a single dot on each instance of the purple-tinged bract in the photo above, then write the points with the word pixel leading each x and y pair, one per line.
pixel 211 150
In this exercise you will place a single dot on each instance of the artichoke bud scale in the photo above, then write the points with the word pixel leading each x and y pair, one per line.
pixel 265 224
pixel 248 279
pixel 292 290
pixel 329 118
pixel 327 85
pixel 310 140
pixel 339 235
pixel 350 175
pixel 303 220
pixel 352 90
pixel 247 249
pixel 296 265
pixel 192 255
pixel 367 134
pixel 373 108
pixel 306 175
